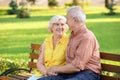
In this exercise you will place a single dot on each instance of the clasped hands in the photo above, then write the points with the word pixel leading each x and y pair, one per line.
pixel 52 71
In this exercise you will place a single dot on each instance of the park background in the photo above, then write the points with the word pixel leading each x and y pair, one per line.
pixel 16 34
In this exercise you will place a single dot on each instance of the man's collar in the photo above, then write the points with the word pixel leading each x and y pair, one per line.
pixel 78 30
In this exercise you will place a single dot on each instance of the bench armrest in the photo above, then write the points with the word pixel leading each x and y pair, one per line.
pixel 5 73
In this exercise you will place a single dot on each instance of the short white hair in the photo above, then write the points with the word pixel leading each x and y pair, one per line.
pixel 76 11
pixel 54 19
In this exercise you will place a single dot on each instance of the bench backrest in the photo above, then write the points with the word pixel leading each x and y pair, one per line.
pixel 110 66
pixel 106 67
pixel 34 56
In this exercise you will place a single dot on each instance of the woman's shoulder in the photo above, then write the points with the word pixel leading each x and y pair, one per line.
pixel 48 38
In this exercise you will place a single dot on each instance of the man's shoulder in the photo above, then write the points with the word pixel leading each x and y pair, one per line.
pixel 88 35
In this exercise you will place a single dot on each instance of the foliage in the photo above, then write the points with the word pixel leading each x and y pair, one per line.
pixel 14 7
pixel 33 1
pixel 75 2
pixel 52 3
pixel 68 4
pixel 7 64
pixel 24 11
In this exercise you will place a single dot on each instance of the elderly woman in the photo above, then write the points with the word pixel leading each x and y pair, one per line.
pixel 53 49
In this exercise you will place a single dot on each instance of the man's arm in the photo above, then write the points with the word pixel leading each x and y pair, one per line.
pixel 68 68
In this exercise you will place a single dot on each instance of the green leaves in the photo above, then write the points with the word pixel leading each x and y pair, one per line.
pixel 7 64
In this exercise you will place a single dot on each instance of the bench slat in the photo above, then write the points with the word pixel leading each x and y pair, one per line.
pixel 32 65
pixel 35 46
pixel 111 68
pixel 19 77
pixel 103 77
pixel 4 78
pixel 34 56
pixel 109 56
pixel 13 77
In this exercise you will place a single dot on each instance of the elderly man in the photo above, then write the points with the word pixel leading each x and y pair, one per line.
pixel 82 56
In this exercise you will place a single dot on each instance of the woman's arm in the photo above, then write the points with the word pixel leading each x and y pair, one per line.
pixel 40 62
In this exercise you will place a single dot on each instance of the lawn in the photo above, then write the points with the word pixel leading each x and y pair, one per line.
pixel 16 35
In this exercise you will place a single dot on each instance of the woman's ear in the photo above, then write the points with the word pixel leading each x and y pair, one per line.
pixel 52 29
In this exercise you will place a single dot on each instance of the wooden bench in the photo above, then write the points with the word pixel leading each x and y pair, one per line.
pixel 107 68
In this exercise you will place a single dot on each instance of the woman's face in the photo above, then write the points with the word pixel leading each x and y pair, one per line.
pixel 59 27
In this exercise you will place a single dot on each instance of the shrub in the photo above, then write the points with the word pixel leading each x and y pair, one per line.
pixel 24 11
pixel 52 3
pixel 13 6
pixel 7 64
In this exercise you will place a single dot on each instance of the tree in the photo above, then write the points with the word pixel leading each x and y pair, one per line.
pixel 75 2
pixel 52 3
pixel 109 4
pixel 24 11
pixel 13 6
pixel 33 1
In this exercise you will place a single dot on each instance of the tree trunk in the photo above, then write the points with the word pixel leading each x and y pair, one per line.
pixel 106 3
pixel 75 2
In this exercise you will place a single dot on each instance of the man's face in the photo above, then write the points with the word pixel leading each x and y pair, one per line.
pixel 69 21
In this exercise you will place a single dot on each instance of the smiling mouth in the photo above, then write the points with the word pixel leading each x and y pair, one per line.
pixel 59 30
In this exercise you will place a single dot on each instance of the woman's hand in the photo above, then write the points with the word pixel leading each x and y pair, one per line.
pixel 52 71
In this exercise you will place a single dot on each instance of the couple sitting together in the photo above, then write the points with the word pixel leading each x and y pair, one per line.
pixel 69 58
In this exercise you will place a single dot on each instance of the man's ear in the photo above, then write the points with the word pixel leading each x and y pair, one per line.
pixel 75 19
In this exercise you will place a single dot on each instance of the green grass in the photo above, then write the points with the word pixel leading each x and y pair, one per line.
pixel 16 35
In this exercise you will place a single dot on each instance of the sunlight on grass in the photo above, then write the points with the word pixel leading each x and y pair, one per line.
pixel 24 25
pixel 93 10
pixel 16 34
pixel 104 20
pixel 98 9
